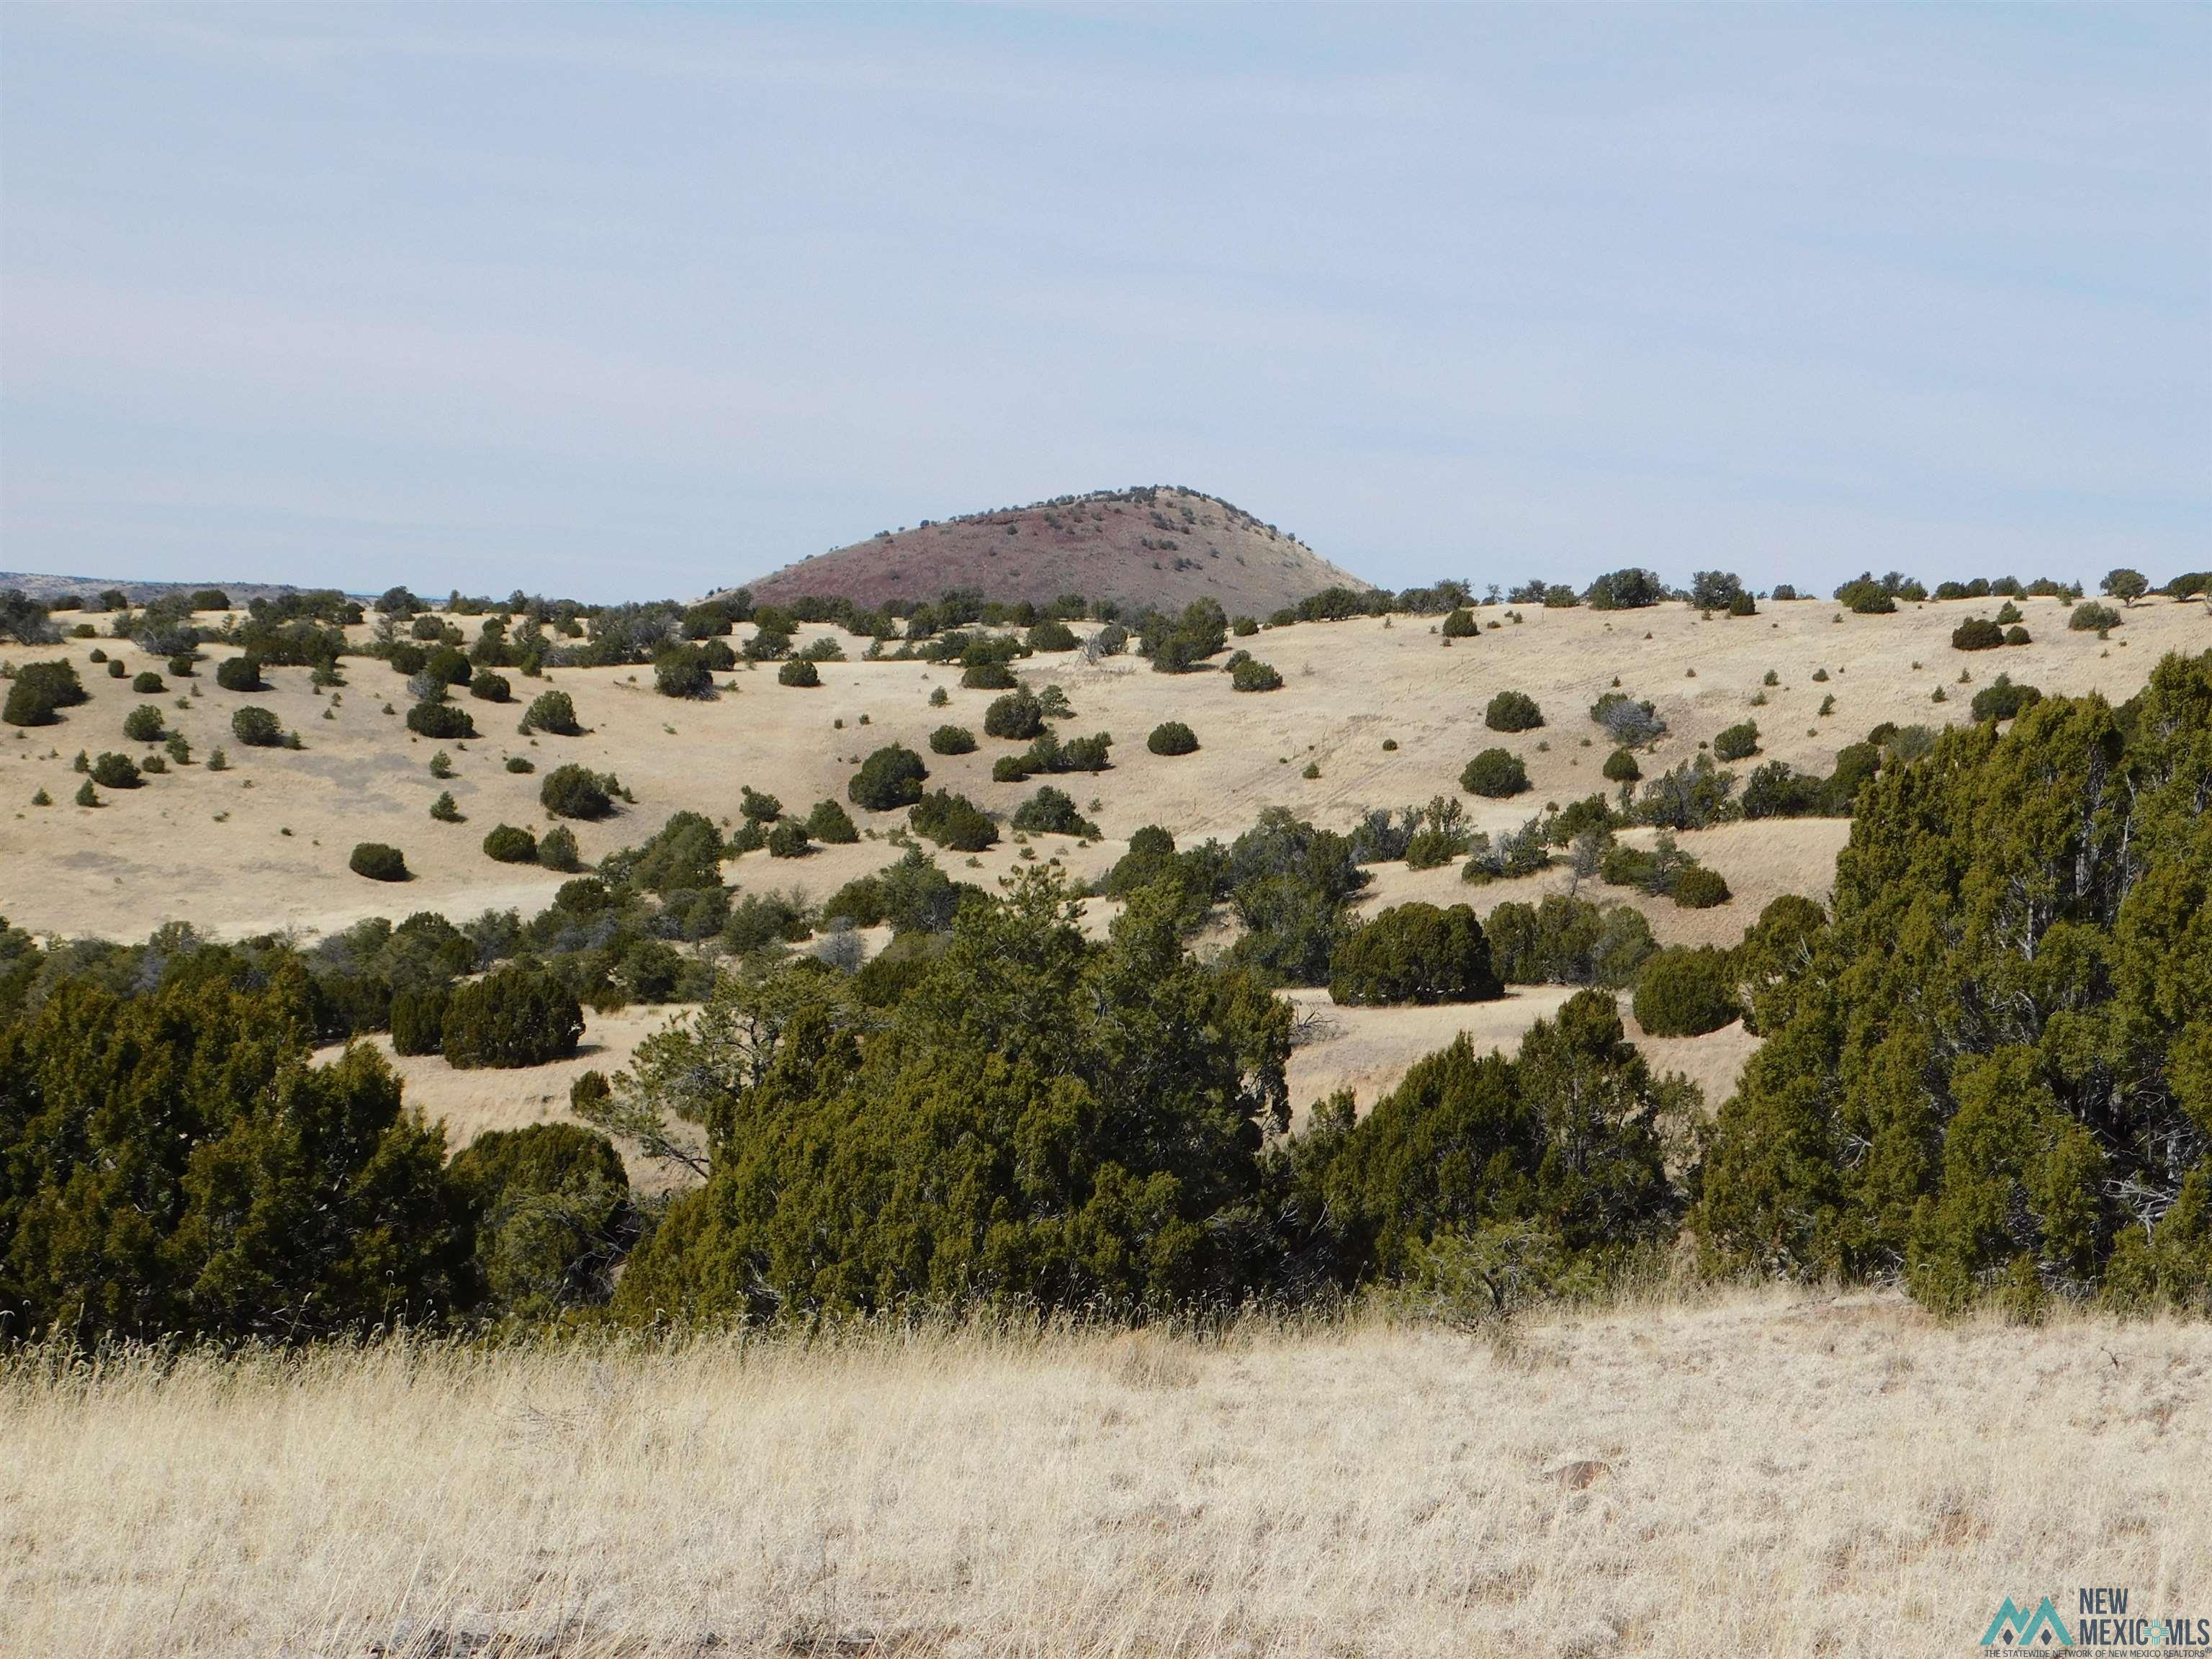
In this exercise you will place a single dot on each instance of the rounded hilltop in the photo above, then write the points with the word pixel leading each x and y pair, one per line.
pixel 1157 545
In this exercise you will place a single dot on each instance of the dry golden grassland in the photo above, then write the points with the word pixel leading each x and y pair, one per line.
pixel 211 849
pixel 1751 1472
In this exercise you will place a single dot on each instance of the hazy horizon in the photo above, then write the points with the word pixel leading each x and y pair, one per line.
pixel 624 303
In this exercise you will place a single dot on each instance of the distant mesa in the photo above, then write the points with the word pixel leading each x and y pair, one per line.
pixel 45 588
pixel 1159 545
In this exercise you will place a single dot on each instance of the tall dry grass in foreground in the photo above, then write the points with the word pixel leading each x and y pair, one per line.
pixel 1760 1474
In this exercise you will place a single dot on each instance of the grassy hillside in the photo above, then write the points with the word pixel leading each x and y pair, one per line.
pixel 262 845
pixel 162 852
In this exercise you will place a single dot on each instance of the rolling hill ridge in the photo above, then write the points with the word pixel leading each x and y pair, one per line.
pixel 1157 545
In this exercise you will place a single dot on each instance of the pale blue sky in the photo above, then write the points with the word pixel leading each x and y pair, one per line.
pixel 620 300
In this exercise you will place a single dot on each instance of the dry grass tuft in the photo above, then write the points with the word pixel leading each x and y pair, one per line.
pixel 1754 1472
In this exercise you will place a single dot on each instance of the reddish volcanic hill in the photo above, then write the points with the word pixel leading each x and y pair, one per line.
pixel 1159 545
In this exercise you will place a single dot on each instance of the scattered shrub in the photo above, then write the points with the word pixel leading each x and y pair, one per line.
pixel 1460 625
pixel 577 791
pixel 953 820
pixel 761 921
pixel 952 740
pixel 1253 675
pixel 1048 754
pixel 2089 616
pixel 1461 1183
pixel 1052 635
pixel 448 665
pixel 1738 742
pixel 1417 952
pixel 1495 773
pixel 556 849
pixel 1629 723
pixel 40 691
pixel 1686 992
pixel 1564 940
pixel 509 845
pixel 1018 716
pixel 418 1019
pixel 378 862
pixel 831 824
pixel 553 712
pixel 1621 767
pixel 1521 852
pixel 1623 590
pixel 241 674
pixel 1440 834
pixel 1867 597
pixel 888 778
pixel 444 721
pixel 147 684
pixel 2001 699
pixel 257 727
pixel 1777 790
pixel 788 840
pixel 1979 633
pixel 1172 738
pixel 682 670
pixel 1179 645
pixel 143 724
pixel 2124 585
pixel 1512 711
pixel 487 687
pixel 1051 811
pixel 446 810
pixel 799 672
pixel 513 1017
pixel 1656 870
pixel 551 1205
pixel 1700 888
pixel 114 771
